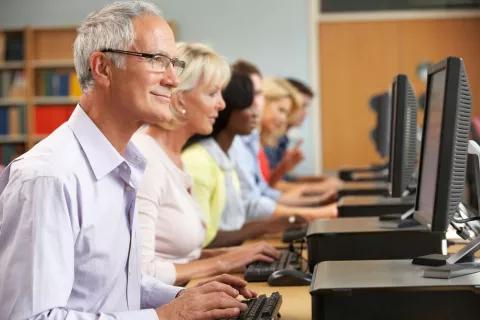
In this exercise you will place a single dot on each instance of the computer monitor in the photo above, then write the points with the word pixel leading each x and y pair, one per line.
pixel 403 138
pixel 443 159
pixel 381 133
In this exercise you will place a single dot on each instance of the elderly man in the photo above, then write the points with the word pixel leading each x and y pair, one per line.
pixel 69 238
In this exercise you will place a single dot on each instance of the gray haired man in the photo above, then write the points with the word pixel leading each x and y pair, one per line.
pixel 69 238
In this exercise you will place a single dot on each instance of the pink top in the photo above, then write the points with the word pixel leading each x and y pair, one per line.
pixel 171 221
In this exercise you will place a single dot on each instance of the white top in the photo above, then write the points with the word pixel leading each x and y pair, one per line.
pixel 171 221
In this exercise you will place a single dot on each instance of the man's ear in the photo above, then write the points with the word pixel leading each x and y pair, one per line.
pixel 101 69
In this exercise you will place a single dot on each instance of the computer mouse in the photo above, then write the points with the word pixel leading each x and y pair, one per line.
pixel 286 277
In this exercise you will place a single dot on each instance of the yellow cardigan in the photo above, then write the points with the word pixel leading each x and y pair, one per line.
pixel 208 186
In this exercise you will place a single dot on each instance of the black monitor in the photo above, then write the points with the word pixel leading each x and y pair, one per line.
pixel 403 138
pixel 381 133
pixel 443 159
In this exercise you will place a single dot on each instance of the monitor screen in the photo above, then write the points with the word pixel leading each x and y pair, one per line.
pixel 432 134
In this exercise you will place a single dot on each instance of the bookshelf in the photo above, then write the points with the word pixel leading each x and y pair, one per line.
pixel 38 85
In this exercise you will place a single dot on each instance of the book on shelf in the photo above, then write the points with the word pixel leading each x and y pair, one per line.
pixel 12 84
pixel 2 47
pixel 12 121
pixel 48 118
pixel 14 48
pixel 58 83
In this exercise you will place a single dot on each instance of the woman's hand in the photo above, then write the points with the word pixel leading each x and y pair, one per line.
pixel 236 259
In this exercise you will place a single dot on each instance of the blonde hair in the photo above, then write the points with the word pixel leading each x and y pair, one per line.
pixel 202 63
pixel 275 89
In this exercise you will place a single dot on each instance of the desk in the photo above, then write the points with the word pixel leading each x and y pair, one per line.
pixel 382 289
pixel 296 300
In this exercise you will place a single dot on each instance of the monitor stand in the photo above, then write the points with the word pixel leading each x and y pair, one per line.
pixel 363 206
pixel 452 266
pixel 348 173
pixel 403 220
pixel 462 262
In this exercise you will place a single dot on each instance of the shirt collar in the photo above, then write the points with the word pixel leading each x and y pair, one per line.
pixel 101 155
pixel 222 160
pixel 252 137
pixel 252 141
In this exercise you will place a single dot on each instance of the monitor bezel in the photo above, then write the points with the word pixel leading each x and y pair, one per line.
pixel 398 127
pixel 384 126
pixel 448 127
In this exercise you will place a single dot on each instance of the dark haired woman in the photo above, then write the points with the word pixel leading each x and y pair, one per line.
pixel 216 183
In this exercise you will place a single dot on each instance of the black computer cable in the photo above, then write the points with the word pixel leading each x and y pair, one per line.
pixel 466 220
pixel 462 232
pixel 291 248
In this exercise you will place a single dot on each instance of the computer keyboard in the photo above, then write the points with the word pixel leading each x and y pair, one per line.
pixel 290 235
pixel 259 271
pixel 261 308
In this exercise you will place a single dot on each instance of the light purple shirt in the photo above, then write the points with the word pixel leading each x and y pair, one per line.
pixel 69 236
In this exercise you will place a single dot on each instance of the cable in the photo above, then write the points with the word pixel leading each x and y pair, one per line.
pixel 466 220
pixel 292 249
pixel 462 232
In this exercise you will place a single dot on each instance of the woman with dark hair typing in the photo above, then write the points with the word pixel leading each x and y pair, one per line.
pixel 216 184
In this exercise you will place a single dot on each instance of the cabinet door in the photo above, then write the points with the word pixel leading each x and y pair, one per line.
pixel 357 60
pixel 434 40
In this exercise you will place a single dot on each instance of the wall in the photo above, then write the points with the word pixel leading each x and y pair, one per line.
pixel 360 59
pixel 271 33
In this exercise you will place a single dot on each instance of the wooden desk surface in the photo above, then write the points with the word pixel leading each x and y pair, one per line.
pixel 297 303
pixel 275 240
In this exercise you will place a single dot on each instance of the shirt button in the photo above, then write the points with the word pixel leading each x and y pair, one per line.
pixel 129 189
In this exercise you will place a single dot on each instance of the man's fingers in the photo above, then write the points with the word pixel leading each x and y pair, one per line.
pixel 246 293
pixel 221 314
pixel 230 280
pixel 218 287
pixel 219 300
pixel 253 293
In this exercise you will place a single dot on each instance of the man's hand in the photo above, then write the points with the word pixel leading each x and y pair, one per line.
pixel 211 299
pixel 235 282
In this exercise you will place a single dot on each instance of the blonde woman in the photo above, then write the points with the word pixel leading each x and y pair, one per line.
pixel 281 101
pixel 171 220
pixel 282 104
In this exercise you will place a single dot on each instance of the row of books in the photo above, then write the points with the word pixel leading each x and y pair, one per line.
pixel 47 119
pixel 9 152
pixel 51 83
pixel 12 120
pixel 12 84
pixel 11 46
pixel 58 83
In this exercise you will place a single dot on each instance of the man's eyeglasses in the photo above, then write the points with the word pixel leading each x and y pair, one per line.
pixel 160 62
